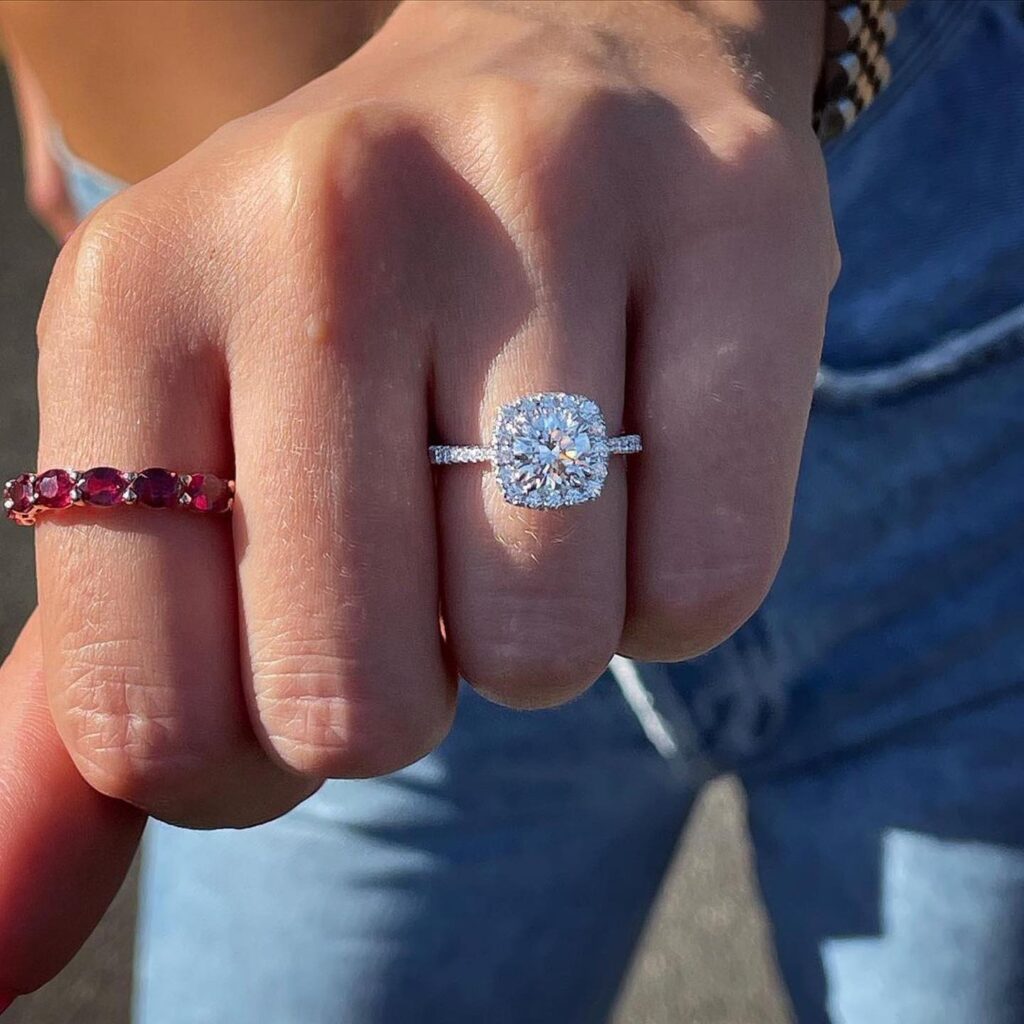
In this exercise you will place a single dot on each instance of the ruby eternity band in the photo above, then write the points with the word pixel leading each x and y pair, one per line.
pixel 548 450
pixel 29 495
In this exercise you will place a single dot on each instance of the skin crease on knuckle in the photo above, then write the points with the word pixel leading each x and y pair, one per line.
pixel 121 722
pixel 320 733
pixel 332 698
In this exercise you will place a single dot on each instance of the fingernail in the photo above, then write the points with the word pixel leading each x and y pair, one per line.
pixel 6 998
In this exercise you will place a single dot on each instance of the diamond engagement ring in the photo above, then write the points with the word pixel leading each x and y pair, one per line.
pixel 549 450
pixel 30 494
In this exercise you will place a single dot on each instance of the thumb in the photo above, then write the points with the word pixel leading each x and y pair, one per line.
pixel 64 848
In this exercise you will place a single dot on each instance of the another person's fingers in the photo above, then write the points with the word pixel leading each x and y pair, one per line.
pixel 533 598
pixel 335 515
pixel 64 848
pixel 723 372
pixel 138 606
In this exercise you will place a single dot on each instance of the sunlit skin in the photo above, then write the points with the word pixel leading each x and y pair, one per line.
pixel 134 86
pixel 486 200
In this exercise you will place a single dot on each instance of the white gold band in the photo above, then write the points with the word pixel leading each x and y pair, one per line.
pixel 453 454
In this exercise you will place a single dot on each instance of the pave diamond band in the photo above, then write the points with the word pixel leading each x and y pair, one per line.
pixel 27 496
pixel 549 450
pixel 625 444
pixel 454 454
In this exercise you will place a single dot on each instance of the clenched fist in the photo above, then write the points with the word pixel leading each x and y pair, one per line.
pixel 620 200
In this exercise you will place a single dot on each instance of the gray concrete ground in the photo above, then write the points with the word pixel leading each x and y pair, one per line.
pixel 705 958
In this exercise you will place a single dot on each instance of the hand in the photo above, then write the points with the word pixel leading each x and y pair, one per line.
pixel 486 200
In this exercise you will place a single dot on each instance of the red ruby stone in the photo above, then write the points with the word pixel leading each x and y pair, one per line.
pixel 103 486
pixel 21 493
pixel 208 493
pixel 54 488
pixel 156 488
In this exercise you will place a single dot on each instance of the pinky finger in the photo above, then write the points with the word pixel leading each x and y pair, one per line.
pixel 64 848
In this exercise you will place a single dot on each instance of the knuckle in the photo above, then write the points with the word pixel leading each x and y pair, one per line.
pixel 336 193
pixel 683 613
pixel 771 180
pixel 133 739
pixel 342 152
pixel 539 656
pixel 521 136
pixel 761 159
pixel 503 107
pixel 122 726
pixel 106 275
pixel 513 132
pixel 328 715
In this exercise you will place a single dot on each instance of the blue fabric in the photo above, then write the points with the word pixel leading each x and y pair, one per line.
pixel 927 189
pixel 87 186
pixel 873 708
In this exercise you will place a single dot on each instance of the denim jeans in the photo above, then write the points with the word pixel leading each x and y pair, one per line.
pixel 873 708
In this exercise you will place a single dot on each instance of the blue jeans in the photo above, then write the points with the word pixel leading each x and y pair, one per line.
pixel 873 708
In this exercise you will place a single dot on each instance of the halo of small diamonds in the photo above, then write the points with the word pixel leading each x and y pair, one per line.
pixel 28 495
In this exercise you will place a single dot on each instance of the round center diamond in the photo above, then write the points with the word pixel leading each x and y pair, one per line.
pixel 550 450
